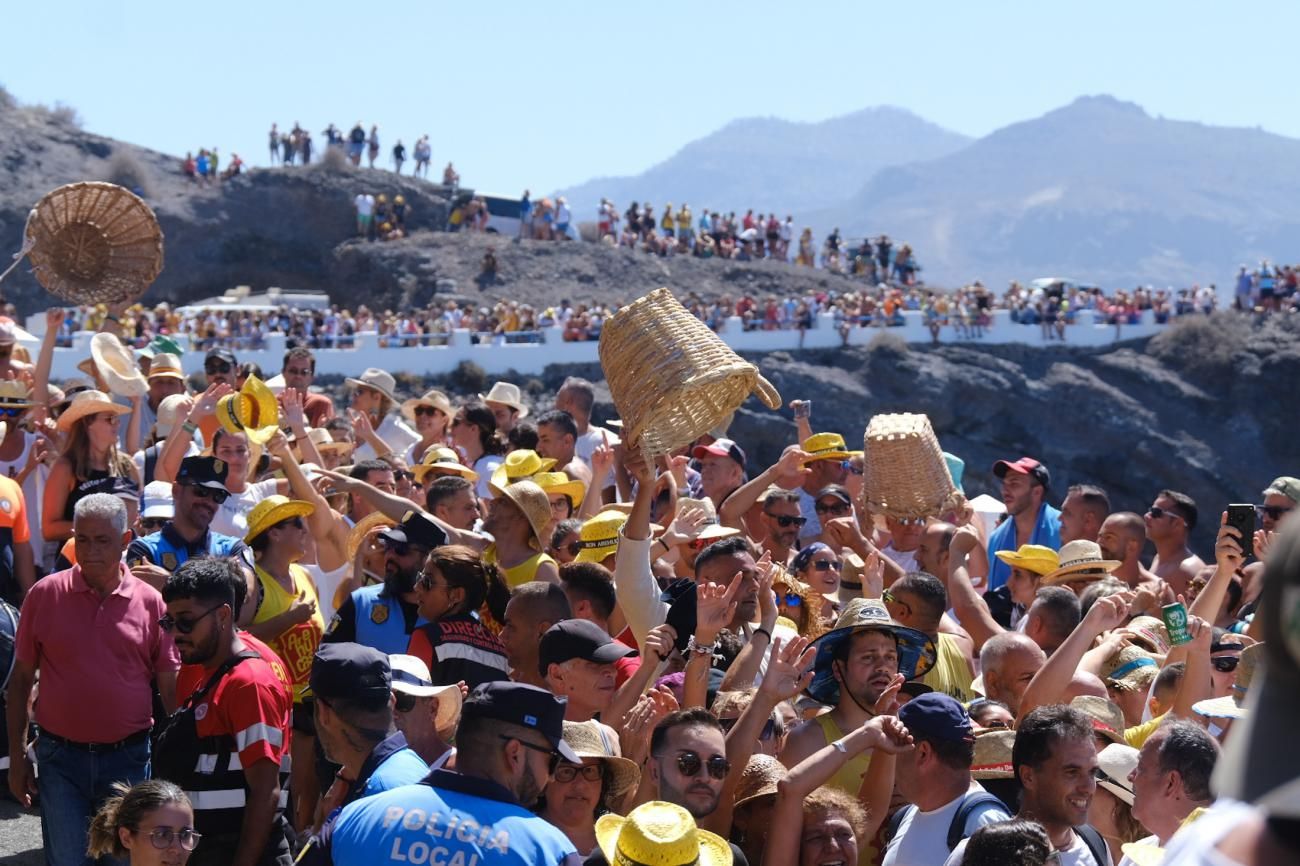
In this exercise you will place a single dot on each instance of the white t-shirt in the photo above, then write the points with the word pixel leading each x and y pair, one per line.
pixel 1077 854
pixel 1196 844
pixel 587 443
pixel 365 204
pixel 395 432
pixel 905 560
pixel 922 837
pixel 33 492
pixel 232 516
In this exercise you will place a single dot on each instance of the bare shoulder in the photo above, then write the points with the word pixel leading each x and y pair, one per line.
pixel 806 738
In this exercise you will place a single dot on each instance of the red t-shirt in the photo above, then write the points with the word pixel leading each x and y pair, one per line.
pixel 252 703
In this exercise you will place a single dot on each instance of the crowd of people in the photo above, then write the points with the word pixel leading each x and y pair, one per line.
pixel 295 147
pixel 205 169
pixel 256 627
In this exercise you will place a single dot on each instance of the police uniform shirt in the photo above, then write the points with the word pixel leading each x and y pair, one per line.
pixel 168 549
pixel 448 819
pixel 372 617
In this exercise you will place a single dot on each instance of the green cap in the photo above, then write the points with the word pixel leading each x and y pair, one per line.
pixel 161 345
pixel 1285 486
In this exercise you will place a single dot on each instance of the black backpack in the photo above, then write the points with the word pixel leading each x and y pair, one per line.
pixel 179 740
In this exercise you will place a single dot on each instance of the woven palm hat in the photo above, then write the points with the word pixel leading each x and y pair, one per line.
pixel 1233 705
pixel 1151 632
pixel 1031 557
pixel 591 739
pixel 252 410
pixel 272 510
pixel 671 378
pixel 381 380
pixel 13 393
pixel 1130 669
pixel 535 505
pixel 325 441
pixel 165 366
pixel 916 652
pixel 906 474
pixel 558 483
pixel 519 465
pixel 442 459
pixel 659 834
pixel 86 403
pixel 993 755
pixel 507 394
pixel 598 538
pixel 1106 716
pixel 117 366
pixel 1080 560
pixel 434 398
pixel 363 526
pixel 759 779
pixel 825 446
pixel 93 243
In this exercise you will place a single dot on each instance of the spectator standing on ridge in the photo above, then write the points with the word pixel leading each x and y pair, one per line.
pixel 356 143
pixel 372 145
pixel 399 156
pixel 423 153
pixel 365 205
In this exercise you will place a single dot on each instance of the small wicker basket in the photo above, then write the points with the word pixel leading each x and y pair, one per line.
pixel 906 475
pixel 671 377
pixel 93 243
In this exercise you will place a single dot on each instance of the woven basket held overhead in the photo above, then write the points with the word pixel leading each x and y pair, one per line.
pixel 671 377
pixel 94 243
pixel 906 475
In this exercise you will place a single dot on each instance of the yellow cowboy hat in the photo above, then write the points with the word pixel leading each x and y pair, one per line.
pixel 1032 557
pixel 434 398
pixel 444 459
pixel 252 410
pixel 86 403
pixel 117 366
pixel 519 465
pixel 599 536
pixel 825 446
pixel 364 525
pixel 558 483
pixel 272 510
pixel 659 834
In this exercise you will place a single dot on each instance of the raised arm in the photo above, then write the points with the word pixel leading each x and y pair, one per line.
pixel 638 591
pixel 326 526
pixel 1228 558
pixel 744 668
pixel 45 357
pixel 786 471
pixel 1050 682
pixel 971 609
pixel 173 450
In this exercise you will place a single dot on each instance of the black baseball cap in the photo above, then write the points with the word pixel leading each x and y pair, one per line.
pixel 682 610
pixel 936 716
pixel 839 491
pixel 578 639
pixel 418 530
pixel 523 705
pixel 221 355
pixel 350 670
pixel 203 472
pixel 1027 465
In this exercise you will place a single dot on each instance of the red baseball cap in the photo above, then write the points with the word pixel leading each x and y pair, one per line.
pixel 1026 466
pixel 720 448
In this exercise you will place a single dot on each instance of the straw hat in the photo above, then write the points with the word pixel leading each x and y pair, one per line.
pixel 1130 669
pixel 326 443
pixel 15 394
pixel 88 403
pixel 591 739
pixel 1031 557
pixel 272 510
pixel 94 242
pixel 1081 560
pixel 164 365
pixel 759 779
pixel 444 459
pixel 434 398
pixel 558 483
pixel 381 380
pixel 1117 761
pixel 659 834
pixel 411 676
pixel 825 446
pixel 1233 706
pixel 535 505
pixel 993 755
pixel 598 537
pixel 519 465
pixel 916 652
pixel 1106 716
pixel 670 376
pixel 906 475
pixel 507 394
pixel 363 526
pixel 1151 632
pixel 712 530
pixel 117 366
pixel 252 410
pixel 169 413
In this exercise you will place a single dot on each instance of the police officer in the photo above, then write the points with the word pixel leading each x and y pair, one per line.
pixel 508 745
pixel 198 492
pixel 384 616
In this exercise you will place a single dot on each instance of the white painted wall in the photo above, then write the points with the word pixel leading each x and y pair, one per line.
pixel 534 357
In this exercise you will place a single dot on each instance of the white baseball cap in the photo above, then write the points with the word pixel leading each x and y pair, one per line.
pixel 158 501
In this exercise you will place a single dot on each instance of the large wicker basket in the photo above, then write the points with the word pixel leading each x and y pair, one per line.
pixel 94 243
pixel 906 475
pixel 671 377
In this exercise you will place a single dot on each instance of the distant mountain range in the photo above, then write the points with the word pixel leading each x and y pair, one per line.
pixel 1098 191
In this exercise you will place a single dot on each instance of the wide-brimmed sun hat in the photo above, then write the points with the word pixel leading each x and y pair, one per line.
pixel 362 527
pixel 1080 560
pixel 591 739
pixel 712 530
pixel 535 505
pixel 15 394
pixel 759 779
pixel 825 446
pixel 1031 557
pixel 1114 764
pixel 434 398
pixel 117 366
pixel 381 380
pixel 659 834
pixel 443 459
pixel 1106 716
pixel 86 403
pixel 598 537
pixel 993 755
pixel 518 465
pixel 272 510
pixel 252 410
pixel 1130 669
pixel 507 394
pixel 165 366
pixel 411 676
pixel 559 483
pixel 162 345
pixel 916 652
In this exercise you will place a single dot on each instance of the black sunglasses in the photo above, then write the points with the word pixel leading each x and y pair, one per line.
pixel 1157 512
pixel 217 496
pixel 217 367
pixel 690 763
pixel 785 521
pixel 554 755
pixel 1274 512
pixel 152 524
pixel 405 703
pixel 833 508
pixel 574 549
pixel 295 522
pixel 827 565
pixel 1226 664
pixel 400 548
pixel 426 410
pixel 185 626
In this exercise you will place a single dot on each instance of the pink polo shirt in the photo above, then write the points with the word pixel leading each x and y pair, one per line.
pixel 96 656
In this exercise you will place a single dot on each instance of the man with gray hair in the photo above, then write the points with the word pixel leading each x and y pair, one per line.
pixel 92 631
pixel 577 397
pixel 1008 662
pixel 1172 777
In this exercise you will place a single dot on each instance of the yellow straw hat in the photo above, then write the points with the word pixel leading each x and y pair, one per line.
pixel 86 403
pixel 598 537
pixel 1031 557
pixel 519 465
pixel 117 366
pixel 444 459
pixel 825 446
pixel 272 510
pixel 558 483
pixel 364 525
pixel 659 834
pixel 252 410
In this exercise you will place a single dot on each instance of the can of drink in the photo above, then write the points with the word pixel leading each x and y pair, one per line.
pixel 1175 617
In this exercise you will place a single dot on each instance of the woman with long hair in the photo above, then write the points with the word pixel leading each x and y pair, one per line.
pixel 148 824
pixel 818 566
pixel 454 589
pixel 90 457
pixel 474 433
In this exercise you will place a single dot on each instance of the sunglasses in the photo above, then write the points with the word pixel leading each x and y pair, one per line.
pixel 574 548
pixel 849 466
pixel 185 626
pixel 833 508
pixel 1274 512
pixel 1226 664
pixel 789 600
pixel 217 496
pixel 785 521
pixel 163 837
pixel 690 763
pixel 404 702
pixel 153 524
pixel 768 732
pixel 996 724
pixel 566 773
pixel 827 565
pixel 400 548
pixel 426 410
pixel 1157 512
pixel 912 521
pixel 295 522
pixel 217 367
pixel 554 755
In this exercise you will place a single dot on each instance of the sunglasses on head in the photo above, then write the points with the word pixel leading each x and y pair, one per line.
pixel 217 367
pixel 689 764
pixel 827 565
pixel 1225 664
pixel 785 521
pixel 554 755
pixel 185 626
pixel 1274 512
pixel 1157 512
pixel 217 496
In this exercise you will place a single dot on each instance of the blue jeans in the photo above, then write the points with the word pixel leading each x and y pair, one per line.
pixel 72 783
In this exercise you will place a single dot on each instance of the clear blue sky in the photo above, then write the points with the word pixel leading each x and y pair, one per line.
pixel 545 95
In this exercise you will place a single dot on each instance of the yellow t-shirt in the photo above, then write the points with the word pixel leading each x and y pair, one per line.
pixel 297 646
pixel 849 778
pixel 951 672
pixel 521 573
pixel 1138 734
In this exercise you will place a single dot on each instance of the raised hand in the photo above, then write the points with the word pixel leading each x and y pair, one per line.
pixel 207 402
pixel 888 703
pixel 789 669
pixel 767 609
pixel 889 735
pixel 659 642
pixel 278 445
pixel 715 606
pixel 291 408
pixel 1111 611
pixel 791 466
pixel 1227 547
pixel 602 459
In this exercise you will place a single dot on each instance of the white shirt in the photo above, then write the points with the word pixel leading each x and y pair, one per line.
pixel 922 837
pixel 232 516
pixel 905 560
pixel 395 432
pixel 485 466
pixel 365 204
pixel 586 444
pixel 1196 844
pixel 1076 855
